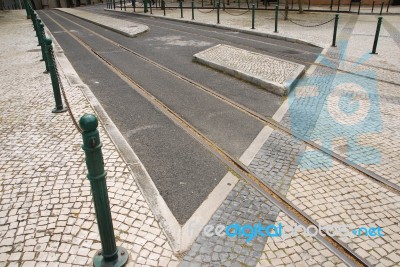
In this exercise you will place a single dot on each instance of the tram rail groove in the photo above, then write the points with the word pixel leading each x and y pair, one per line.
pixel 268 121
pixel 336 246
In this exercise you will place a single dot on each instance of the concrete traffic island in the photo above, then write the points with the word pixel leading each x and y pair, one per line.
pixel 275 75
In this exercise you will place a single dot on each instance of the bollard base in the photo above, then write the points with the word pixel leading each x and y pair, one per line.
pixel 122 260
pixel 55 110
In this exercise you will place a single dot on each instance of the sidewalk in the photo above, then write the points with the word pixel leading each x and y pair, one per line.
pixel 46 211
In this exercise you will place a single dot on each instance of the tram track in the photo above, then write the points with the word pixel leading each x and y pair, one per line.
pixel 339 248
pixel 291 57
pixel 263 119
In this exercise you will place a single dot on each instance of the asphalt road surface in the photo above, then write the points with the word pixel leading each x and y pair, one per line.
pixel 182 169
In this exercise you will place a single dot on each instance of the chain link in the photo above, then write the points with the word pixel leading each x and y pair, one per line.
pixel 307 26
pixel 236 14
pixel 51 52
pixel 205 12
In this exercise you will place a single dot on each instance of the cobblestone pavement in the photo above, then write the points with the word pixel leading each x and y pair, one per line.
pixel 271 73
pixel 46 212
pixel 128 28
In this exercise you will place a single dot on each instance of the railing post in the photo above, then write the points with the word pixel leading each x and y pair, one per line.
pixel 276 18
pixel 380 13
pixel 253 17
pixel 335 29
pixel 359 8
pixel 192 9
pixel 110 255
pixel 151 7
pixel 373 5
pixel 378 29
pixel 42 45
pixel 54 78
pixel 350 5
pixel 163 6
pixel 181 7
pixel 387 9
pixel 218 12
pixel 338 6
pixel 145 10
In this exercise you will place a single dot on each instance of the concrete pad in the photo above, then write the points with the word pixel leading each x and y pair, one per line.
pixel 273 74
pixel 124 27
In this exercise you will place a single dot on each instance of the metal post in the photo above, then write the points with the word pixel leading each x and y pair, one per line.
pixel 309 3
pixel 218 12
pixel 181 7
pixel 125 5
pixel 276 18
pixel 373 5
pixel 134 5
pixel 350 5
pixel 338 6
pixel 145 10
pixel 151 7
pixel 120 4
pixel 257 3
pixel 38 21
pixel 114 4
pixel 28 16
pixel 42 45
pixel 253 17
pixel 239 4
pixel 380 13
pixel 54 78
pixel 359 8
pixel 387 9
pixel 163 6
pixel 202 3
pixel 192 9
pixel 331 6
pixel 292 4
pixel 378 29
pixel 110 255
pixel 335 29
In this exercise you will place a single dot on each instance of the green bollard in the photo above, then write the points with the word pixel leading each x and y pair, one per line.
pixel 42 45
pixel 253 17
pixel 373 5
pixel 218 13
pixel 34 20
pixel 110 255
pixel 276 18
pixel 359 8
pixel 181 7
pixel 380 13
pixel 151 9
pixel 145 10
pixel 38 33
pixel 54 78
pixel 28 15
pixel 192 9
pixel 378 29
pixel 335 30
pixel 163 6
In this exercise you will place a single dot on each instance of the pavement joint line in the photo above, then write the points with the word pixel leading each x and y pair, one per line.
pixel 176 233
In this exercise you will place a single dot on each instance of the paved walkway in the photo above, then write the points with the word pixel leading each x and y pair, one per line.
pixel 45 204
pixel 46 211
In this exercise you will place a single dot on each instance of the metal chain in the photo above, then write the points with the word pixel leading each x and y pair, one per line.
pixel 307 26
pixel 205 12
pixel 237 14
pixel 51 52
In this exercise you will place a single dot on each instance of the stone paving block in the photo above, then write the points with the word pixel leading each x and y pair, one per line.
pixel 273 74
